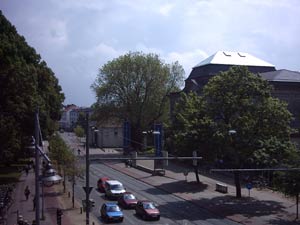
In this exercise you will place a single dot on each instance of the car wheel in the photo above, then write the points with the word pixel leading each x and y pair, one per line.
pixel 144 217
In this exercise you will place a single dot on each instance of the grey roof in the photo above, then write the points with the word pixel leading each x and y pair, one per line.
pixel 234 58
pixel 282 76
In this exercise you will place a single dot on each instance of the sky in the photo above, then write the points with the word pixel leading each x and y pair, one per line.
pixel 77 37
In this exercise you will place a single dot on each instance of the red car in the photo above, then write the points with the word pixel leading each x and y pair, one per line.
pixel 101 184
pixel 127 200
pixel 147 210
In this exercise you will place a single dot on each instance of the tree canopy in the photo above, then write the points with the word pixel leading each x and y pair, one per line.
pixel 25 84
pixel 135 87
pixel 240 102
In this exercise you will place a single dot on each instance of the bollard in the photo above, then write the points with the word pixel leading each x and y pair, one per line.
pixel 80 210
pixel 69 194
pixel 93 223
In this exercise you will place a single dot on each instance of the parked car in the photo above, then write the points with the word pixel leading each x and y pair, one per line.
pixel 114 189
pixel 147 210
pixel 111 212
pixel 101 184
pixel 127 201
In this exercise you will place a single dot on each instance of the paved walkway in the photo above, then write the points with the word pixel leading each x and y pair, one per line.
pixel 54 197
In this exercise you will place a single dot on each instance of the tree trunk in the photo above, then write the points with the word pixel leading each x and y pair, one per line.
pixel 297 205
pixel 136 138
pixel 64 182
pixel 73 196
pixel 197 175
pixel 237 184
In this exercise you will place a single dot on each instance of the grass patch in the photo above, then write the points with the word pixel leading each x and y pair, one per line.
pixel 11 174
pixel 149 150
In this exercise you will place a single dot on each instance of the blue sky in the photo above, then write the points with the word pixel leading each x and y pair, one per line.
pixel 77 37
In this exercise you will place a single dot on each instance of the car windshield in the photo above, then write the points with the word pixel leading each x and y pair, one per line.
pixel 114 208
pixel 117 187
pixel 129 196
pixel 149 205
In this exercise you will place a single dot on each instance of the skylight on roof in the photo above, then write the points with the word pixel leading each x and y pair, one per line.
pixel 226 54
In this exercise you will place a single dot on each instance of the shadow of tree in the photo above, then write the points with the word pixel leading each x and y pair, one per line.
pixel 179 167
pixel 51 209
pixel 248 207
pixel 280 221
pixel 228 207
pixel 52 194
pixel 179 186
pixel 95 158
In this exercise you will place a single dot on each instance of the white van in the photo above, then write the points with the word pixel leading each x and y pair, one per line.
pixel 114 189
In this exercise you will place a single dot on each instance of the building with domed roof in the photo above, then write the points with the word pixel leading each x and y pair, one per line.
pixel 286 83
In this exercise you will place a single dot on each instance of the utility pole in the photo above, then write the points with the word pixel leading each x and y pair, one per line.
pixel 37 165
pixel 87 176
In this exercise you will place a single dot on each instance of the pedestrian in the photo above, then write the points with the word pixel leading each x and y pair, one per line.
pixel 26 170
pixel 34 202
pixel 27 192
pixel 78 151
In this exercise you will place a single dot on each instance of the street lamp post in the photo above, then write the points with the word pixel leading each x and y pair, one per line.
pixel 37 139
pixel 87 177
pixel 236 173
pixel 37 165
pixel 145 140
pixel 95 136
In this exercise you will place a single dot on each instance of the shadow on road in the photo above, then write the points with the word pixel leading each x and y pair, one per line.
pixel 172 187
pixel 52 194
pixel 226 207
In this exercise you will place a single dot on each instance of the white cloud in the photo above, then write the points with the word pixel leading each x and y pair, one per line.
pixel 165 9
pixel 187 59
pixel 79 4
pixel 141 47
pixel 102 49
pixel 56 32
pixel 78 37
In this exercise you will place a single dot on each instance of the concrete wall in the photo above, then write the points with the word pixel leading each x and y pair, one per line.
pixel 108 137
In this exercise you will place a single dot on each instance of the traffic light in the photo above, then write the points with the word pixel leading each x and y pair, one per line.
pixel 59 214
pixel 92 203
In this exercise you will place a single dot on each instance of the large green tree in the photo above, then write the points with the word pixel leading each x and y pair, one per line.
pixel 135 87
pixel 240 102
pixel 25 84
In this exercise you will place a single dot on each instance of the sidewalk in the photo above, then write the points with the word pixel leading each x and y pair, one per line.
pixel 261 208
pixel 53 198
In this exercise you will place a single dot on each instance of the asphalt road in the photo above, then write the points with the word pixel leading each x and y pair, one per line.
pixel 173 209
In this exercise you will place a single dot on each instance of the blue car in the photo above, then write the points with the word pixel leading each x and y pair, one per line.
pixel 111 212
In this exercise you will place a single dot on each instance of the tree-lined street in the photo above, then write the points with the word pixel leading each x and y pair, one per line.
pixel 183 202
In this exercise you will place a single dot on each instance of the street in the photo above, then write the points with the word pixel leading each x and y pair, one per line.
pixel 182 201
pixel 173 210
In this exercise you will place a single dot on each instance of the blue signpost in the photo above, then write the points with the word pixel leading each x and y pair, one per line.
pixel 158 139
pixel 249 187
pixel 126 137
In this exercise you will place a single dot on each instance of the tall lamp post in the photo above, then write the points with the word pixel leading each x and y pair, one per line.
pixel 87 177
pixel 236 173
pixel 37 167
